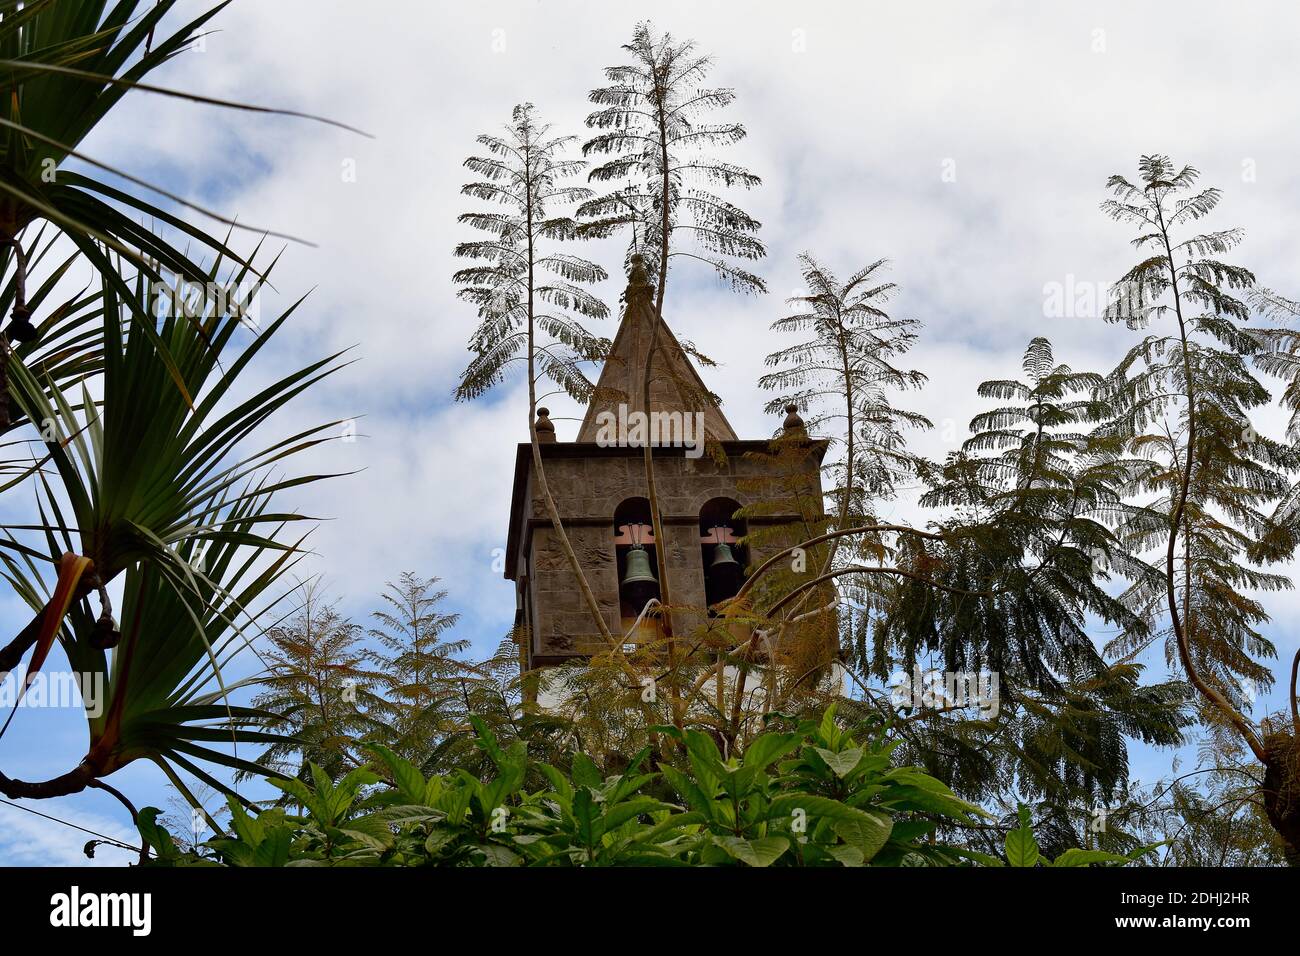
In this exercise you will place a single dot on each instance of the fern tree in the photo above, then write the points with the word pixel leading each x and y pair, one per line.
pixel 421 681
pixel 1281 358
pixel 840 377
pixel 494 693
pixel 1183 397
pixel 1213 814
pixel 1011 583
pixel 529 294
pixel 653 128
pixel 319 687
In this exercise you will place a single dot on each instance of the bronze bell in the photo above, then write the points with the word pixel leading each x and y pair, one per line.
pixel 639 582
pixel 725 571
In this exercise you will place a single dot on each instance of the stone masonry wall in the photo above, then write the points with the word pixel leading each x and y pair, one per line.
pixel 587 490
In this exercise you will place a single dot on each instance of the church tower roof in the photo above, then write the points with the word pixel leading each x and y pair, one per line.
pixel 675 385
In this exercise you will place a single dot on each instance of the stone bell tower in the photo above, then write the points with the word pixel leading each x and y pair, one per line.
pixel 704 474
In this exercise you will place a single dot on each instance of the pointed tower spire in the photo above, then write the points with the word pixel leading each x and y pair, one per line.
pixel 675 385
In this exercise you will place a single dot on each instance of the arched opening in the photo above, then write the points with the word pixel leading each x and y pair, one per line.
pixel 638 567
pixel 723 556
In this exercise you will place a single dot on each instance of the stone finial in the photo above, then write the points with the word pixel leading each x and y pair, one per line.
pixel 793 424
pixel 638 278
pixel 545 427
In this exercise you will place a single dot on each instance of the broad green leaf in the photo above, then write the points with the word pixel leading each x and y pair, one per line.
pixel 246 827
pixel 497 855
pixel 618 815
pixel 814 806
pixel 585 816
pixel 1078 857
pixel 585 771
pixel 154 834
pixel 410 782
pixel 273 850
pixel 436 841
pixel 867 833
pixel 689 791
pixel 760 852
pixel 847 854
pixel 373 831
pixel 1022 848
pixel 705 758
pixel 829 732
pixel 842 763
pixel 768 748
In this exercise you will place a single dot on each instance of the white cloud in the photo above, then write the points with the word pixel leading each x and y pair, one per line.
pixel 851 136
pixel 30 840
pixel 851 132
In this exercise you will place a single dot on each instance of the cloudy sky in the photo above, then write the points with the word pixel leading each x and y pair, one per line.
pixel 967 142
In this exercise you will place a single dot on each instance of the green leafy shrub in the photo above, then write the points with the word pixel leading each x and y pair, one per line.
pixel 813 796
